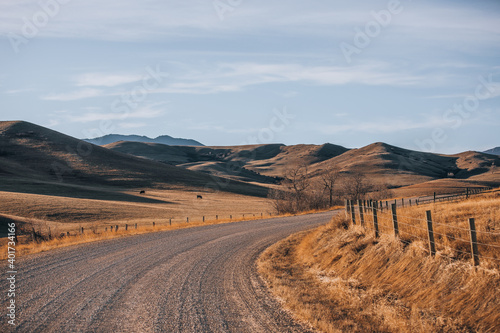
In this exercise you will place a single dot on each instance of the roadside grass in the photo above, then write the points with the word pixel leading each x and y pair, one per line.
pixel 339 278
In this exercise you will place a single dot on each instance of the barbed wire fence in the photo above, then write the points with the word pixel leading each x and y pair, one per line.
pixel 464 240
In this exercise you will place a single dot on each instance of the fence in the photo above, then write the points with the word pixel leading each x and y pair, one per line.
pixel 103 228
pixel 469 192
pixel 408 229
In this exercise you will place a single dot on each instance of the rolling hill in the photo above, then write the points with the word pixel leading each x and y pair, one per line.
pixel 382 163
pixel 255 163
pixel 49 178
pixel 30 153
pixel 163 139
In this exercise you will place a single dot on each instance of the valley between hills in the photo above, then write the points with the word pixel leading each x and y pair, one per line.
pixel 60 182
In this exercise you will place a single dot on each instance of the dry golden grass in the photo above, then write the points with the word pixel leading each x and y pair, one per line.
pixel 451 227
pixel 63 213
pixel 345 280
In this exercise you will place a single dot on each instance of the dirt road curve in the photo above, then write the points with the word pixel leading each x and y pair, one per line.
pixel 192 280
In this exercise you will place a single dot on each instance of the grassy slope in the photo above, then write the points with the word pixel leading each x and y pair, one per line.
pixel 268 160
pixel 345 280
pixel 382 163
pixel 43 179
pixel 35 152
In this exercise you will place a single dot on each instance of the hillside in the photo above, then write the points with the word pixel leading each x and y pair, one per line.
pixel 256 163
pixel 395 166
pixel 163 139
pixel 265 164
pixel 493 151
pixel 340 277
pixel 32 152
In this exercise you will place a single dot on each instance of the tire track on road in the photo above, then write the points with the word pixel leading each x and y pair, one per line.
pixel 200 279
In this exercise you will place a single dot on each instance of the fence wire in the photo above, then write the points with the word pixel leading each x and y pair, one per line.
pixel 409 231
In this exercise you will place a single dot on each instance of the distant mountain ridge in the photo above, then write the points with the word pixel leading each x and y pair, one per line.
pixel 493 151
pixel 163 139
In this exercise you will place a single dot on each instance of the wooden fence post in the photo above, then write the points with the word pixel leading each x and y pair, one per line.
pixel 473 242
pixel 395 220
pixel 187 219
pixel 203 219
pixel 403 202
pixel 216 217
pixel 353 213
pixel 361 216
pixel 82 230
pixel 230 217
pixel 432 244
pixel 116 227
pixel 126 227
pixel 347 209
pixel 434 196
pixel 136 225
pixel 467 193
pixel 154 224
pixel 375 219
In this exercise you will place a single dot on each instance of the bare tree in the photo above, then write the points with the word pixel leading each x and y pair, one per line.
pixel 356 186
pixel 281 201
pixel 329 178
pixel 297 181
pixel 380 192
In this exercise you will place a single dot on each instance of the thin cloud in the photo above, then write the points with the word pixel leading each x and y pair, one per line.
pixel 73 95
pixel 230 77
pixel 132 125
pixel 388 126
pixel 17 91
pixel 148 112
pixel 105 80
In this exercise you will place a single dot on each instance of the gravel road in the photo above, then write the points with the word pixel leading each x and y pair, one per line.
pixel 192 280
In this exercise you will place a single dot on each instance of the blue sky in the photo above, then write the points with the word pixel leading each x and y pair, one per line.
pixel 424 75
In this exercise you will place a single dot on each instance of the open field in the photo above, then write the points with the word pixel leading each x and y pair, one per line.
pixel 342 279
pixel 63 213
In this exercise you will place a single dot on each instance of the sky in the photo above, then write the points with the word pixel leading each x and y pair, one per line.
pixel 423 75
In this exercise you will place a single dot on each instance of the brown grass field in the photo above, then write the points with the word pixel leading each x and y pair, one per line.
pixel 342 279
pixel 64 214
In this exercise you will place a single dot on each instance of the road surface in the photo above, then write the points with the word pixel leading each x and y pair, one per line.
pixel 192 280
